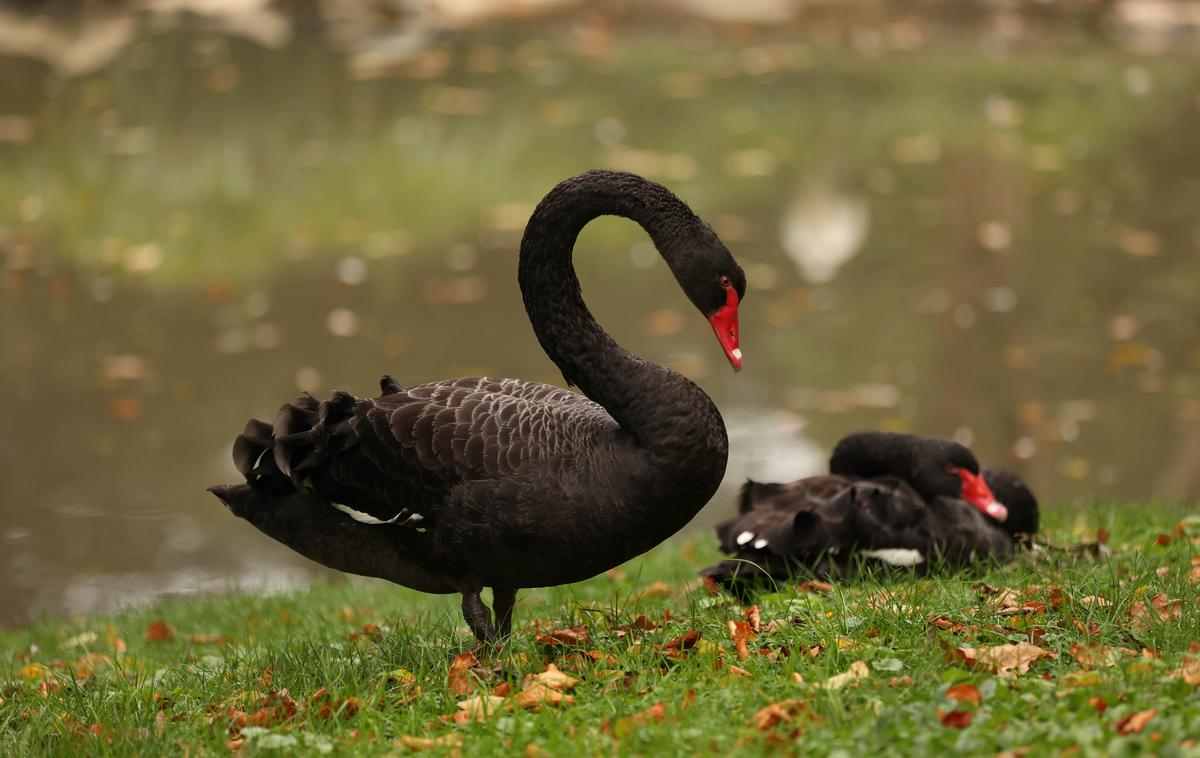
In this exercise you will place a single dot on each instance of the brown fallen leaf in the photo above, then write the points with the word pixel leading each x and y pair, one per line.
pixel 1099 703
pixel 430 743
pixel 740 632
pixel 857 670
pixel 955 719
pixel 778 713
pixel 478 708
pixel 573 635
pixel 658 589
pixel 739 671
pixel 1160 609
pixel 159 631
pixel 754 616
pixel 814 585
pixel 460 681
pixel 534 697
pixel 1188 671
pixel 1003 660
pixel 655 714
pixel 552 678
pixel 1135 722
pixel 1094 656
pixel 964 693
pixel 685 641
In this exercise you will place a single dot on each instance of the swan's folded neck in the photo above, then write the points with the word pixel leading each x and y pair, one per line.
pixel 665 413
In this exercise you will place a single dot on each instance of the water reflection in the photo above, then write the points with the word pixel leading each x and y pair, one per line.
pixel 204 215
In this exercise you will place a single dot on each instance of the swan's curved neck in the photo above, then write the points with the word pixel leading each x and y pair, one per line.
pixel 662 410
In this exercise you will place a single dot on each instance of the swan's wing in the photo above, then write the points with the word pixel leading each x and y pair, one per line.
pixel 396 458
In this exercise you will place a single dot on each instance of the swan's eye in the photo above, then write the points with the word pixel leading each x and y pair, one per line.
pixel 726 282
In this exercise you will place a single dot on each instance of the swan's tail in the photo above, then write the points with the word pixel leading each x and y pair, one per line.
pixel 307 524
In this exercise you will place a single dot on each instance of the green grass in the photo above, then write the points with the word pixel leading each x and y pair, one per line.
pixel 358 693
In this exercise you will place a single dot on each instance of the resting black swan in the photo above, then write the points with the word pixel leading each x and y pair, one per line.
pixel 897 499
pixel 463 484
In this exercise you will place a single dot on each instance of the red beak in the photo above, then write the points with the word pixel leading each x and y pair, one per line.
pixel 976 492
pixel 725 325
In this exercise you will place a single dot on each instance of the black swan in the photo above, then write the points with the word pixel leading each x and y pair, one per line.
pixel 894 499
pixel 463 484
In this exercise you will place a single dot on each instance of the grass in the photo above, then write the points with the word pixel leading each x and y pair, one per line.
pixel 354 668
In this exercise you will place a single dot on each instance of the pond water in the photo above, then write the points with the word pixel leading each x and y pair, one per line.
pixel 976 224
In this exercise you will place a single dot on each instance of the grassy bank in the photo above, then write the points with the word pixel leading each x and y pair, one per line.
pixel 1102 658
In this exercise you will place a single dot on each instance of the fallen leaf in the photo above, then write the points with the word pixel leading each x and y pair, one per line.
pixel 655 714
pixel 532 698
pixel 754 616
pixel 1188 671
pixel 1135 722
pixel 814 585
pixel 857 670
pixel 658 589
pixel 159 631
pixel 685 641
pixel 740 632
pixel 964 693
pixel 1161 608
pixel 955 719
pixel 739 671
pixel 1002 659
pixel 1093 656
pixel 478 708
pixel 430 743
pixel 460 681
pixel 552 678
pixel 1099 703
pixel 1095 600
pixel 574 635
pixel 208 639
pixel 778 713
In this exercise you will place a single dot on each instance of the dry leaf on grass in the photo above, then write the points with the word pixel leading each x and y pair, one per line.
pixel 573 635
pixel 658 589
pixel 783 712
pixel 429 743
pixel 1188 671
pixel 159 631
pixel 1160 609
pixel 478 708
pixel 460 680
pixel 858 670
pixel 655 714
pixel 740 632
pixel 1002 660
pixel 552 678
pixel 1135 722
pixel 754 617
pixel 955 719
pixel 964 693
pixel 814 585
pixel 534 697
pixel 1094 656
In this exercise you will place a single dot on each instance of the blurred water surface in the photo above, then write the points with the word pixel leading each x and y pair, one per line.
pixel 964 221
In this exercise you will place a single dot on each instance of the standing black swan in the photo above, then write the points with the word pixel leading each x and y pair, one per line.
pixel 893 498
pixel 463 484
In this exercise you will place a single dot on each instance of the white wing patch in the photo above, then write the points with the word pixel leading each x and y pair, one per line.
pixel 760 543
pixel 745 537
pixel 366 518
pixel 896 556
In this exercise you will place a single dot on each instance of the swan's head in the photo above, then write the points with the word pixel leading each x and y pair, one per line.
pixel 1020 501
pixel 716 284
pixel 935 467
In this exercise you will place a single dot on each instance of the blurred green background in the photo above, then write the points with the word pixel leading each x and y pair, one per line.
pixel 973 219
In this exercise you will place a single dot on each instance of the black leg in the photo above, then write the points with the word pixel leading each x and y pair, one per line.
pixel 503 600
pixel 478 617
